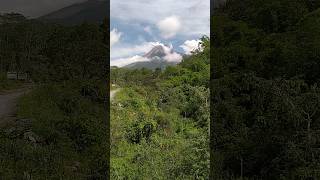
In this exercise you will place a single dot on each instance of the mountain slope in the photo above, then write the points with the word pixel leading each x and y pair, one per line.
pixel 153 64
pixel 92 11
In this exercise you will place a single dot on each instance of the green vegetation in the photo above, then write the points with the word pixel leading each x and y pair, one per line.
pixel 265 90
pixel 64 125
pixel 160 121
pixel 61 127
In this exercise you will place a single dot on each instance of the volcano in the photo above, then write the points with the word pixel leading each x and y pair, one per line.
pixel 156 59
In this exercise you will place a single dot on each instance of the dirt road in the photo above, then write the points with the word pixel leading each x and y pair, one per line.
pixel 113 93
pixel 8 102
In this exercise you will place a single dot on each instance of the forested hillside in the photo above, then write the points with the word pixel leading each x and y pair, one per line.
pixel 60 131
pixel 265 90
pixel 160 121
pixel 92 11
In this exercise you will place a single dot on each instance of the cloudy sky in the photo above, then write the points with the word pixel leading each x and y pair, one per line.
pixel 34 8
pixel 138 25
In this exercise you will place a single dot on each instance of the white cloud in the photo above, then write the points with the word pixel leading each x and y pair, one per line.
pixel 126 50
pixel 114 37
pixel 194 14
pixel 130 54
pixel 125 61
pixel 169 26
pixel 190 45
pixel 171 56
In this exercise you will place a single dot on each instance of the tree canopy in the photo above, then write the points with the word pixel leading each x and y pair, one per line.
pixel 264 90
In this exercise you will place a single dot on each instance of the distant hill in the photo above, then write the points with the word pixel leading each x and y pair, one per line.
pixel 156 57
pixel 91 11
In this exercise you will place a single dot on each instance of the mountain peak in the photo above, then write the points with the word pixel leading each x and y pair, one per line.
pixel 157 51
pixel 156 58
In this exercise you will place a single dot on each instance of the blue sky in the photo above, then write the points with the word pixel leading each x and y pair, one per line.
pixel 138 25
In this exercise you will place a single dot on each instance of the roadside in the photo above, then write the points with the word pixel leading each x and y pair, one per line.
pixel 8 103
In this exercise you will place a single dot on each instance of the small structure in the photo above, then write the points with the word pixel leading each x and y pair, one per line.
pixel 17 76
pixel 12 75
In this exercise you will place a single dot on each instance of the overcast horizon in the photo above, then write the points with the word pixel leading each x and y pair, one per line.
pixel 35 8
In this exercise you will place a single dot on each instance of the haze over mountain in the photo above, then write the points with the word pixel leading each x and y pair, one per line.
pixel 92 11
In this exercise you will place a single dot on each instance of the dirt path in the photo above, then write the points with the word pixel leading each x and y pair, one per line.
pixel 8 102
pixel 113 93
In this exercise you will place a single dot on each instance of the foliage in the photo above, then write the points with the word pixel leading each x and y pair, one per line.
pixel 51 52
pixel 71 130
pixel 160 120
pixel 265 92
pixel 61 131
